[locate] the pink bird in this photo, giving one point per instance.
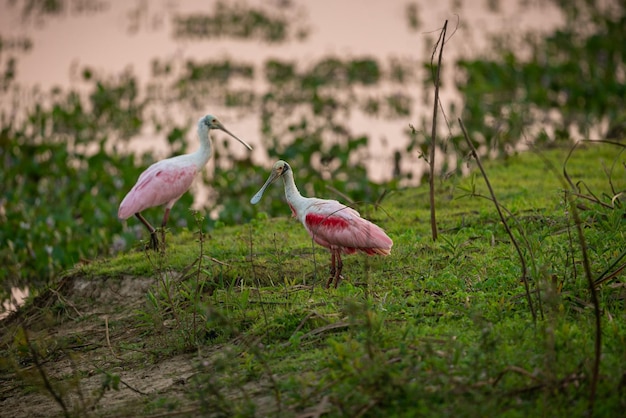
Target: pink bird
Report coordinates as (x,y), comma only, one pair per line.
(330,223)
(164,182)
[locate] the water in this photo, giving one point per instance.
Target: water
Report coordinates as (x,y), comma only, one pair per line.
(18,296)
(129,35)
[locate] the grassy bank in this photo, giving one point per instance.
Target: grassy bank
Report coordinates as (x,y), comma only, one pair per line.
(236,321)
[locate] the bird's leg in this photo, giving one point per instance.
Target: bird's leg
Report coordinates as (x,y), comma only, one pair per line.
(332,268)
(338,276)
(154,241)
(166,216)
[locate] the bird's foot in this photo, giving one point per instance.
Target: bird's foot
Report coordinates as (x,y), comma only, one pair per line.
(154,242)
(338,279)
(333,272)
(330,280)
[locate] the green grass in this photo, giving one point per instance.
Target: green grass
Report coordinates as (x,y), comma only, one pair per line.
(435,329)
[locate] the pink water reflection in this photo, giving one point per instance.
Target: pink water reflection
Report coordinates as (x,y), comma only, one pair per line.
(131,34)
(18,296)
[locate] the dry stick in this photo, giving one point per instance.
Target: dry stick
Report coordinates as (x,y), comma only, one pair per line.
(106,333)
(322,329)
(571,249)
(133,389)
(575,187)
(524,238)
(431,180)
(42,373)
(567,177)
(604,277)
(65,301)
(590,281)
(503,220)
(593,199)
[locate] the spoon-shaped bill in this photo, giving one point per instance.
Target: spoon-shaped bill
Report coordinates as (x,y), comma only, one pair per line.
(258,195)
(255,199)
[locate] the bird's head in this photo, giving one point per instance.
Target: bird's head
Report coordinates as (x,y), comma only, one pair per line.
(278,170)
(209,122)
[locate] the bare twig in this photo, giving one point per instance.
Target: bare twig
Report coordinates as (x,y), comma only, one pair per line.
(320,330)
(66,302)
(506,225)
(576,189)
(592,198)
(216,261)
(133,389)
(431,181)
(306,318)
(606,277)
(514,369)
(344,196)
(106,333)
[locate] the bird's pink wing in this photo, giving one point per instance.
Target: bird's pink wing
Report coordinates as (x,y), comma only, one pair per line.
(332,224)
(160,184)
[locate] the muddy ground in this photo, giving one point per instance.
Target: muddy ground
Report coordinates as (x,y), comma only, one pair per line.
(79,328)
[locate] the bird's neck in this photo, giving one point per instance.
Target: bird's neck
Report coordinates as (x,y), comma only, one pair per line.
(295,199)
(206,148)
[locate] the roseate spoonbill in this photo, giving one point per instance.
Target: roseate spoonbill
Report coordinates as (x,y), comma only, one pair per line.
(165,181)
(330,223)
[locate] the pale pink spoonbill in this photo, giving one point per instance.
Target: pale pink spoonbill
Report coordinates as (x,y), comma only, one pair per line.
(330,223)
(165,181)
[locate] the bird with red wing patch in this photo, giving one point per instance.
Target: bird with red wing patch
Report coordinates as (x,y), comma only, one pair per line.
(330,223)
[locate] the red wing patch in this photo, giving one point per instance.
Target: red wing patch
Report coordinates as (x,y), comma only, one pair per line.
(328,221)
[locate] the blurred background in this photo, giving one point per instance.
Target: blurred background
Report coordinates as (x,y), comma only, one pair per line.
(94,91)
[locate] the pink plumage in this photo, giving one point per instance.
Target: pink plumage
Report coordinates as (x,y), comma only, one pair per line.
(330,223)
(333,225)
(164,182)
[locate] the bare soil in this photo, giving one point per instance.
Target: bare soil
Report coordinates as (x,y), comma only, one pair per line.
(78,329)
